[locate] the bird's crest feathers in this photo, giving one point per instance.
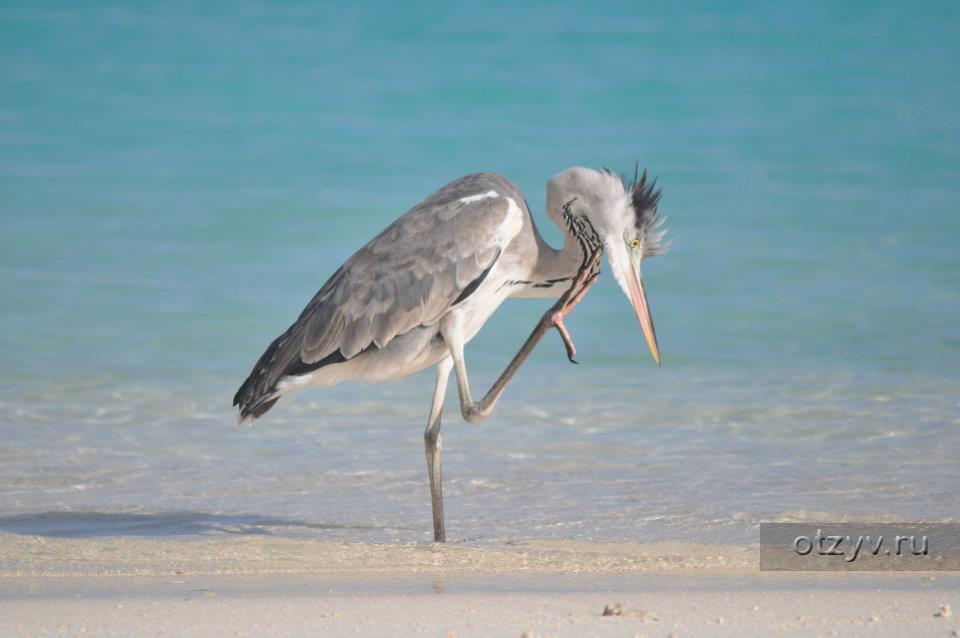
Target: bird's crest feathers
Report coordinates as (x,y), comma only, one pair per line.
(644,198)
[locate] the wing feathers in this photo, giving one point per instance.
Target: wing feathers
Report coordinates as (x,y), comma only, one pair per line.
(407,276)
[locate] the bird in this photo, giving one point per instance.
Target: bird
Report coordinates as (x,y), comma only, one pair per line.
(418,292)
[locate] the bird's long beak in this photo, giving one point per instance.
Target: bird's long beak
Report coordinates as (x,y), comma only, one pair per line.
(638,298)
(631,281)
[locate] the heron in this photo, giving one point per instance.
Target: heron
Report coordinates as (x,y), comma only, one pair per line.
(418,292)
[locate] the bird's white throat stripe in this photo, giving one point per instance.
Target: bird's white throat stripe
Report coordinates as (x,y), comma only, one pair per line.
(477,198)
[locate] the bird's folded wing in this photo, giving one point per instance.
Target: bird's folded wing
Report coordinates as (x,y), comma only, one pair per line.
(407,276)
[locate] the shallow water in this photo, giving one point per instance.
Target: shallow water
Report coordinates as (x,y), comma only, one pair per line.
(175,183)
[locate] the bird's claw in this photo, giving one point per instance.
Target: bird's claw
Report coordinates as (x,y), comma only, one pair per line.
(556,320)
(584,278)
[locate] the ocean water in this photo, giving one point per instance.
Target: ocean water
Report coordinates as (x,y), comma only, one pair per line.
(177,180)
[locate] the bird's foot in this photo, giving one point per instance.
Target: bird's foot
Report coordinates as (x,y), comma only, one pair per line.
(556,320)
(582,282)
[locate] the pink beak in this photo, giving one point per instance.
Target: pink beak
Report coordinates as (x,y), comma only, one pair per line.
(638,298)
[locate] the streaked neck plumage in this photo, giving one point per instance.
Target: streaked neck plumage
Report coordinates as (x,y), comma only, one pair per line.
(553,266)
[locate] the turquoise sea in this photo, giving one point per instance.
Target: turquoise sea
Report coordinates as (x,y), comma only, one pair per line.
(177,179)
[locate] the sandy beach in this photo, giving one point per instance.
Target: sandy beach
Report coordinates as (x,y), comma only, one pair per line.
(253,585)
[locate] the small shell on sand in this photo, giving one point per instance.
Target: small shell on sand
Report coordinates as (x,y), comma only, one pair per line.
(944,612)
(617,609)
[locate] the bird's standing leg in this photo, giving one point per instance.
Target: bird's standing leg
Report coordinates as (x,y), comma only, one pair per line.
(452,331)
(432,444)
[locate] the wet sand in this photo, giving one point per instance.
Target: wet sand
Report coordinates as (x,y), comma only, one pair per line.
(254,555)
(256,585)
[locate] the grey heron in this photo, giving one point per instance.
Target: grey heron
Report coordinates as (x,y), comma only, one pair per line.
(419,291)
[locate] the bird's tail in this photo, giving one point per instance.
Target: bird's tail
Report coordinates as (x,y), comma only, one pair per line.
(250,413)
(259,392)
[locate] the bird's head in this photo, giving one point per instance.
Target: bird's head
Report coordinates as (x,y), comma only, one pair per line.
(624,218)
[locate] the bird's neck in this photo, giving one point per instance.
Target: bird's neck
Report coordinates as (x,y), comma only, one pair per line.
(554,266)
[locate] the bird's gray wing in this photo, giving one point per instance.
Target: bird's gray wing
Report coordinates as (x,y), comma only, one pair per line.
(411,274)
(408,275)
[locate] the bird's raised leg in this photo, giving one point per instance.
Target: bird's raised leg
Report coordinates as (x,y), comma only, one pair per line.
(452,331)
(432,444)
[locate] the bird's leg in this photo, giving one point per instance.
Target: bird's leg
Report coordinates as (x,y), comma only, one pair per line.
(450,328)
(432,444)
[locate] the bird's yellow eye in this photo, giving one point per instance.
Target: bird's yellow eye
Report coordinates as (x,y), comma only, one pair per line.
(634,242)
